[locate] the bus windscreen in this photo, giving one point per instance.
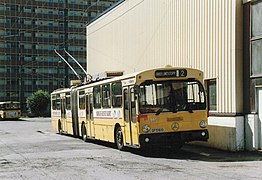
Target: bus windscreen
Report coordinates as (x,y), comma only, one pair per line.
(171,96)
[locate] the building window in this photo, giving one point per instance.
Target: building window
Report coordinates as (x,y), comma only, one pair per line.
(256,62)
(212,94)
(256,41)
(256,13)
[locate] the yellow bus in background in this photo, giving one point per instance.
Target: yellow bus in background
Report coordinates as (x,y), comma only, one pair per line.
(10,110)
(158,107)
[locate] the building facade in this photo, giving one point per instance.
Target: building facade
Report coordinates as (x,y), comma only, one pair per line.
(30,30)
(220,37)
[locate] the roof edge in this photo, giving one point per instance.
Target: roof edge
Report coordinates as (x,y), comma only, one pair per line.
(106,11)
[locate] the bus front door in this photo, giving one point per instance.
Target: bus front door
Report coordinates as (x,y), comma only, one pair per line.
(130,129)
(89,115)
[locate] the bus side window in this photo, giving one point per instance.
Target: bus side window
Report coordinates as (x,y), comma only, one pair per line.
(106,103)
(68,104)
(53,103)
(117,94)
(91,105)
(87,104)
(97,97)
(58,102)
(126,106)
(82,104)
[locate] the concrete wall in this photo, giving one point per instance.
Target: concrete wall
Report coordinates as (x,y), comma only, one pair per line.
(207,35)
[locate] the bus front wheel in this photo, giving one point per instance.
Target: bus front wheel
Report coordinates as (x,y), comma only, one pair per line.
(119,138)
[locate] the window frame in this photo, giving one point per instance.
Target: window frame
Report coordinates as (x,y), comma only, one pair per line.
(213,107)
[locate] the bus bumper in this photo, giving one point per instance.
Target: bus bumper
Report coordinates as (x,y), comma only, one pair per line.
(173,138)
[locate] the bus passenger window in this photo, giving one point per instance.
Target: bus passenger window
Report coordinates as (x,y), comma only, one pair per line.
(53,103)
(97,97)
(82,104)
(68,104)
(117,94)
(58,103)
(106,103)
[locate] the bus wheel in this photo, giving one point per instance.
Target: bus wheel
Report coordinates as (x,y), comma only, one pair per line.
(119,138)
(83,132)
(59,127)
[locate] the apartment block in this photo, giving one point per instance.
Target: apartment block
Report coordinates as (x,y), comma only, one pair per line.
(30,30)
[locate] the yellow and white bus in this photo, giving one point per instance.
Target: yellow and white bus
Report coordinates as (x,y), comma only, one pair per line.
(160,107)
(10,110)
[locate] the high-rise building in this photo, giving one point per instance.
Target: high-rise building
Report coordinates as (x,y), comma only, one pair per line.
(30,30)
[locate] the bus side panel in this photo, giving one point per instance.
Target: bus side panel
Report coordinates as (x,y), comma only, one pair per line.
(104,129)
(1,114)
(69,126)
(56,116)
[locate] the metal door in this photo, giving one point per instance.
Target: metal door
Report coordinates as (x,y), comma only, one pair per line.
(130,129)
(89,116)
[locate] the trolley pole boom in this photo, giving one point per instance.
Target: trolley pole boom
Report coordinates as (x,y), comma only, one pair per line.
(75,61)
(88,76)
(78,76)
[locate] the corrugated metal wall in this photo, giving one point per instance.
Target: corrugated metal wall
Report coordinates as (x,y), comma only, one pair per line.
(203,34)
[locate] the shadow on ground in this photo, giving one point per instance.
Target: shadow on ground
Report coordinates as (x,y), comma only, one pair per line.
(194,152)
(12,120)
(191,152)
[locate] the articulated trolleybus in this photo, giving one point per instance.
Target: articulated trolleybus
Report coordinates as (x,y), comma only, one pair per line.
(158,107)
(10,110)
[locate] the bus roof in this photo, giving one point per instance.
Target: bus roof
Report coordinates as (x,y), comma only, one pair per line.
(123,77)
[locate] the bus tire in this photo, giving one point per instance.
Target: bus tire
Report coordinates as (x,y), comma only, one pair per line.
(83,132)
(59,127)
(119,141)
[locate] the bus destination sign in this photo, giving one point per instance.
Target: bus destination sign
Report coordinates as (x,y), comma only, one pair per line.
(171,73)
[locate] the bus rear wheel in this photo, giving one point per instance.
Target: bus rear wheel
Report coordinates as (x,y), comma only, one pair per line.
(119,138)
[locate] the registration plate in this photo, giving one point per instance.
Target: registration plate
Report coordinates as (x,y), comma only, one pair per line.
(156,130)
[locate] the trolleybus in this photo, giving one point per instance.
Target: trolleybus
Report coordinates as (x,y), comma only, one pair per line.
(10,110)
(159,107)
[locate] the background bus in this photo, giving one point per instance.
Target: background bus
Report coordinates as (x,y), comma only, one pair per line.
(161,107)
(10,110)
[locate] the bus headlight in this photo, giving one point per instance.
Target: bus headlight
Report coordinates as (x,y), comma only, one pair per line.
(146,128)
(203,124)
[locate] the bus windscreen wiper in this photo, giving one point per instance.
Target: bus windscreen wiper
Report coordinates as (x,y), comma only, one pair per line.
(159,111)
